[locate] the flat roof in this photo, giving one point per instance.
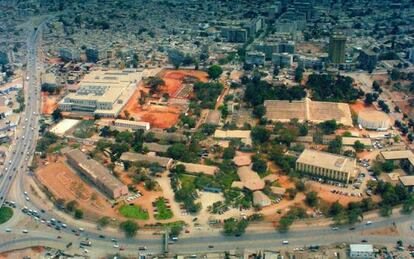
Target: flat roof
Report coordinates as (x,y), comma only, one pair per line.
(129,122)
(63,126)
(366,248)
(308,110)
(242,134)
(94,170)
(327,160)
(156,147)
(199,168)
(135,157)
(407,180)
(397,154)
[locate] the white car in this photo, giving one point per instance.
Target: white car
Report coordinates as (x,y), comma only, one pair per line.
(116,246)
(27,198)
(285,242)
(25,231)
(8,229)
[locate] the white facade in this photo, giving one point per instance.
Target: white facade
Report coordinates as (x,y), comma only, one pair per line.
(375,120)
(361,251)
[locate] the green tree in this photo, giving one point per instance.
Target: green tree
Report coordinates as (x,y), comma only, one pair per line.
(328,127)
(129,227)
(235,227)
(78,214)
(229,153)
(214,71)
(154,82)
(388,166)
(299,73)
(72,205)
(311,199)
(259,165)
(369,98)
(103,221)
(260,134)
(335,209)
(259,111)
(57,115)
(335,145)
(358,146)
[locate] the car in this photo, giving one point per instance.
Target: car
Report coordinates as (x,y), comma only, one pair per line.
(101,236)
(352,228)
(369,222)
(210,246)
(364,241)
(27,198)
(59,237)
(116,246)
(114,240)
(25,231)
(8,230)
(335,228)
(142,248)
(121,248)
(285,242)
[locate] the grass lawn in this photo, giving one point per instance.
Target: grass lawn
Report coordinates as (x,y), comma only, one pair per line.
(133,211)
(187,181)
(5,214)
(163,211)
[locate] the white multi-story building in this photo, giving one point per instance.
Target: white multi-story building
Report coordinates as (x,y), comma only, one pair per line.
(102,93)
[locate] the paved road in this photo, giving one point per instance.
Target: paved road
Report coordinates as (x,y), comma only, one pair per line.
(28,126)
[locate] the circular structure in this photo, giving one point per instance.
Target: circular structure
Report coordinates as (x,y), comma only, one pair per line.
(375,120)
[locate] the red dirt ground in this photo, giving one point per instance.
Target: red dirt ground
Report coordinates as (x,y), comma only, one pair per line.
(66,184)
(161,116)
(360,106)
(174,79)
(48,104)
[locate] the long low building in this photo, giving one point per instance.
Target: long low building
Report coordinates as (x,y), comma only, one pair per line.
(133,125)
(199,168)
(96,173)
(308,110)
(135,157)
(326,165)
(249,179)
(350,141)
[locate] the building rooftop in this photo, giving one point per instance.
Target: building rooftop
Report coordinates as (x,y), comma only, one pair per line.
(242,134)
(308,110)
(397,154)
(94,169)
(327,160)
(407,180)
(366,248)
(135,157)
(199,168)
(250,179)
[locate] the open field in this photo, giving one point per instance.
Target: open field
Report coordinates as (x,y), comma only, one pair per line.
(133,211)
(174,79)
(63,183)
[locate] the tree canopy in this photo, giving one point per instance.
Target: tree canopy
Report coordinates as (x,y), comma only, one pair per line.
(333,88)
(214,71)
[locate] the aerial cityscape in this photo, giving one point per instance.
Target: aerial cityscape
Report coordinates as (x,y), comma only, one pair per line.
(183,129)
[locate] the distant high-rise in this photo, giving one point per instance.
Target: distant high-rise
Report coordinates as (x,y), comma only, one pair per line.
(337,48)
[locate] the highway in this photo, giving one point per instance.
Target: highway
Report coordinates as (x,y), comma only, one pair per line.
(27,129)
